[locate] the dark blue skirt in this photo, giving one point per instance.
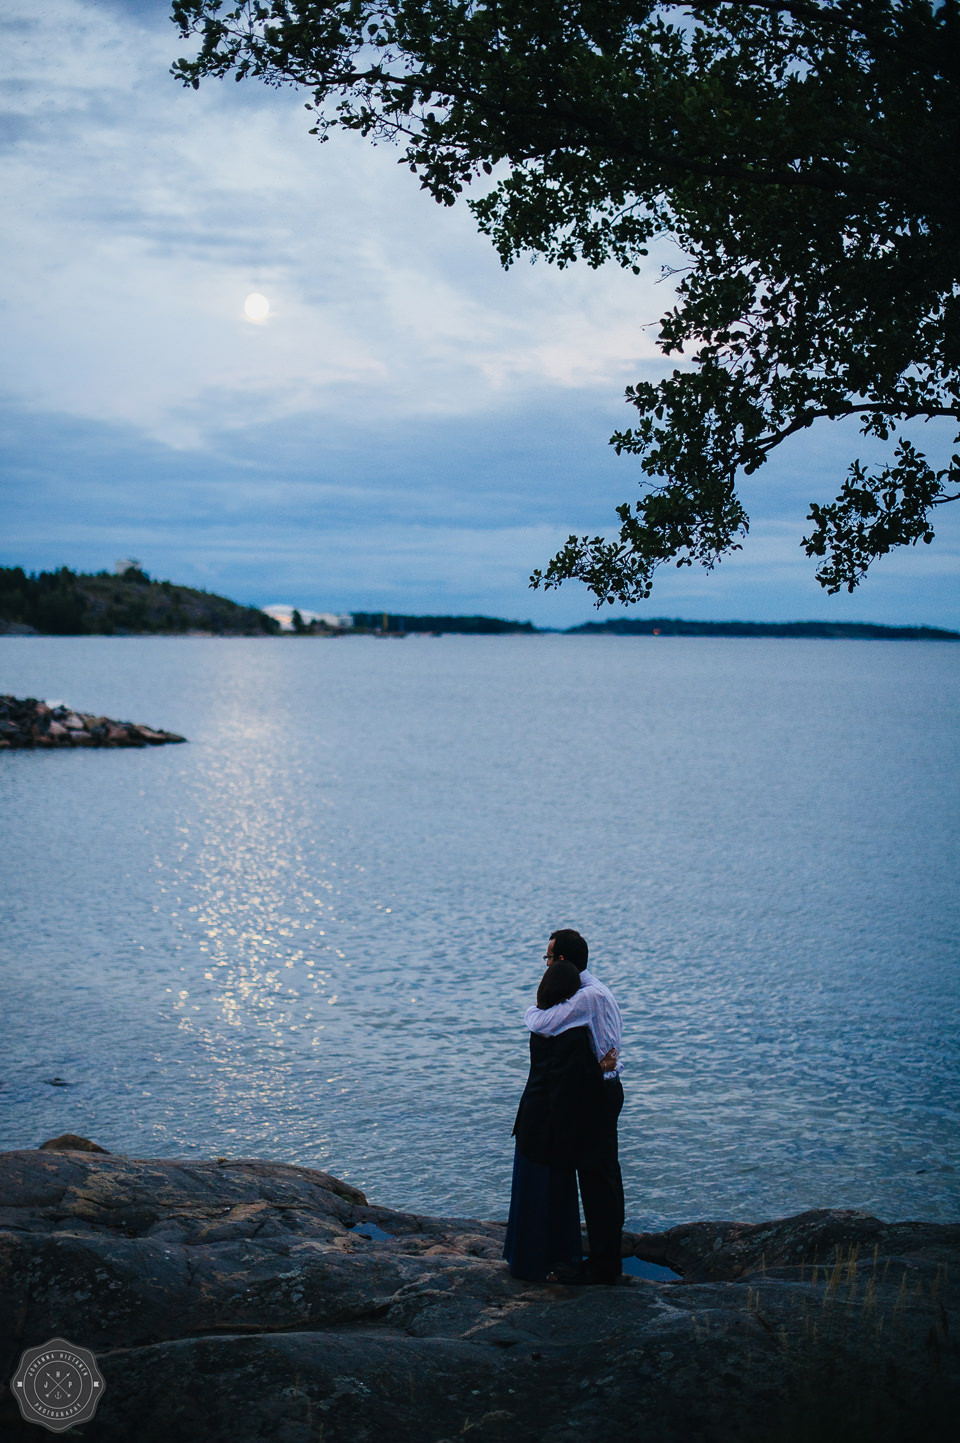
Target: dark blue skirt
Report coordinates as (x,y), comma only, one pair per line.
(543,1228)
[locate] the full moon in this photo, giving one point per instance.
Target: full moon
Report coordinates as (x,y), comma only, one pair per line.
(256,307)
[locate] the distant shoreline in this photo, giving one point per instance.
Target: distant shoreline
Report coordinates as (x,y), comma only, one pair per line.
(131,603)
(625,626)
(824,630)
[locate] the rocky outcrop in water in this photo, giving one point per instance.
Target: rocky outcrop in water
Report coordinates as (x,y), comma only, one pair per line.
(232,1301)
(30,723)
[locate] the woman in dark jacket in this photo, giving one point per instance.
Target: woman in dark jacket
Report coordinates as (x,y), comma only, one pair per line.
(553,1130)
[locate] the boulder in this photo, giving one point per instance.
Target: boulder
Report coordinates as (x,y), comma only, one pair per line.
(238,1300)
(708,1252)
(155,738)
(71,1142)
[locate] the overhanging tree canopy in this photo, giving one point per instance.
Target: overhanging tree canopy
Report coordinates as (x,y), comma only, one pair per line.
(806,157)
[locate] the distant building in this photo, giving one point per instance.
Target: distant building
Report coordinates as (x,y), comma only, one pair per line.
(284,614)
(119,567)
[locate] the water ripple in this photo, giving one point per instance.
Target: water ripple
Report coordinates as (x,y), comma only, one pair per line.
(311,933)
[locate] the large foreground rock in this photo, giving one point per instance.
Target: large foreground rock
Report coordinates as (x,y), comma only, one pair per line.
(233,1301)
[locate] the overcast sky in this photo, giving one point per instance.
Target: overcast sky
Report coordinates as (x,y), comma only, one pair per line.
(410,428)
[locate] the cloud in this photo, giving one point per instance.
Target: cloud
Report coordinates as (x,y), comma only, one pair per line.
(452,517)
(411,427)
(147,213)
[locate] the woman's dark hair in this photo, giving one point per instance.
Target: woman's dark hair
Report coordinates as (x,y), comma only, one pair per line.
(569,945)
(560,981)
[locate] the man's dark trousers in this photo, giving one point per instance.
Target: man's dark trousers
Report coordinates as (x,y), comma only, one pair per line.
(601,1189)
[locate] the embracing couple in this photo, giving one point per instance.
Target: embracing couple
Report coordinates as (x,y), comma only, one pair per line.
(566,1128)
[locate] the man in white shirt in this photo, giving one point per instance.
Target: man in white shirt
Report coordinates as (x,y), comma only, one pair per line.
(598,1172)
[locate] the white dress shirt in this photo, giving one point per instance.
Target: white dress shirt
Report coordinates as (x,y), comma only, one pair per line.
(593,1007)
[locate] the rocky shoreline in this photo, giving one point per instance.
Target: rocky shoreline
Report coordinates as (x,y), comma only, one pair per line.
(233,1300)
(26,722)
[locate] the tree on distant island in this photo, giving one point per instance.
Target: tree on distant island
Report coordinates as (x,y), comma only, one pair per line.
(71,603)
(804,157)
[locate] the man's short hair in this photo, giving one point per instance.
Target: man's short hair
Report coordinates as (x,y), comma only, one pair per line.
(569,945)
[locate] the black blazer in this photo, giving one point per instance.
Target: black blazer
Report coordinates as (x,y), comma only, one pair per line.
(558,1119)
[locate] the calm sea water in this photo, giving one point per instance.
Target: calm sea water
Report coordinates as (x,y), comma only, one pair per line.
(310,934)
